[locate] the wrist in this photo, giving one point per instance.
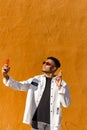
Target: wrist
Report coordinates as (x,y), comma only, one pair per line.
(6,76)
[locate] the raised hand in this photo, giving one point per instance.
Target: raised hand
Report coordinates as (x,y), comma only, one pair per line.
(58,79)
(5,69)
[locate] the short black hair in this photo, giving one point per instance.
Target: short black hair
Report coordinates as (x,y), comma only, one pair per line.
(56,61)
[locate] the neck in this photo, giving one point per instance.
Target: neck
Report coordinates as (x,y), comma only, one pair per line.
(49,75)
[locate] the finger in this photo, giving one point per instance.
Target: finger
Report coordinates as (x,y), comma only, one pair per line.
(60,73)
(58,78)
(5,69)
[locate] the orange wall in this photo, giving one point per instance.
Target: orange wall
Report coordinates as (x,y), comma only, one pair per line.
(30,31)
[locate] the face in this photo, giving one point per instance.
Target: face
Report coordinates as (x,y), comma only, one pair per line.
(48,66)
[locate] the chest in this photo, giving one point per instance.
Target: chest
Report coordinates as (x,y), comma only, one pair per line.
(52,91)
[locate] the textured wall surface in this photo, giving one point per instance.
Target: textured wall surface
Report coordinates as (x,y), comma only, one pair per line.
(31,30)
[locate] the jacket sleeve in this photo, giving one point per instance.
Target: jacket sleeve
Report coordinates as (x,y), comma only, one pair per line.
(64,96)
(21,86)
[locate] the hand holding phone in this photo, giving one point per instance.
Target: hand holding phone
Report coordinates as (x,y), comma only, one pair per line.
(58,79)
(6,68)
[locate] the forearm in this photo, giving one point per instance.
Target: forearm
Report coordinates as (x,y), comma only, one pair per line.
(9,82)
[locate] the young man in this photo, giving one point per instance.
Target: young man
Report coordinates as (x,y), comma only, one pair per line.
(46,94)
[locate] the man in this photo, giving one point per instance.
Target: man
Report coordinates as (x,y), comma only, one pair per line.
(46,94)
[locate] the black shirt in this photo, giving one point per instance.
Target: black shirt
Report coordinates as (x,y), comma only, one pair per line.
(42,113)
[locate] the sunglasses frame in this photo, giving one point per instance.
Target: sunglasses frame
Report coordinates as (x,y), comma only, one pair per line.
(47,63)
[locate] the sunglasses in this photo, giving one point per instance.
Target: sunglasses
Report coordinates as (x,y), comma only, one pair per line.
(47,63)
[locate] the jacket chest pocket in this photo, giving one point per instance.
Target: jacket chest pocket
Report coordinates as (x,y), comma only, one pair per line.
(34,84)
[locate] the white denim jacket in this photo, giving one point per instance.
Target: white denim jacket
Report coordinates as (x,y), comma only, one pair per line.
(35,87)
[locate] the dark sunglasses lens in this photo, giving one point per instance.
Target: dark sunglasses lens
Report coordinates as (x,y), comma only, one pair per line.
(47,63)
(44,62)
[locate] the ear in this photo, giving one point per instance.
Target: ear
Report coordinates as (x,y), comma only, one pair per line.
(55,68)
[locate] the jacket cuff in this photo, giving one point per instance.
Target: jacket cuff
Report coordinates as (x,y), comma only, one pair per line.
(7,82)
